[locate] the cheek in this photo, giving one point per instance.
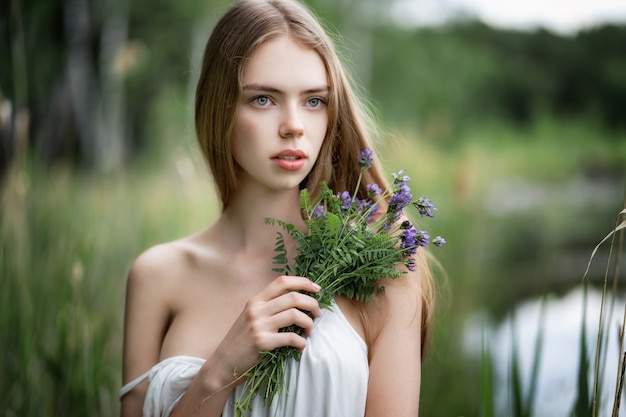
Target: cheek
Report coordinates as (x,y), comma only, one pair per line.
(319,143)
(315,125)
(321,130)
(241,135)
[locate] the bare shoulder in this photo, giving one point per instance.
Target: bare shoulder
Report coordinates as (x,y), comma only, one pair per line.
(154,284)
(401,298)
(150,281)
(163,265)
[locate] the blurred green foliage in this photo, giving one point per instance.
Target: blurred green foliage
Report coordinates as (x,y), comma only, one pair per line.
(66,243)
(441,80)
(434,81)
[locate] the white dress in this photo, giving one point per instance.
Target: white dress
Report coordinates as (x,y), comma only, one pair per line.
(330,380)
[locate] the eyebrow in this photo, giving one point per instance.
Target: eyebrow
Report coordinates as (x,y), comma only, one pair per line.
(270,89)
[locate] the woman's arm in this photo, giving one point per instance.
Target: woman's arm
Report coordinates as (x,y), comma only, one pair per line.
(145,322)
(395,364)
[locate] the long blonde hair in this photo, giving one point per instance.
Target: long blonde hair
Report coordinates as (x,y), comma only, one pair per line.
(245,26)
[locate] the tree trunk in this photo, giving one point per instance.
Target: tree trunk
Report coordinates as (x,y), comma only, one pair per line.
(113,42)
(83,83)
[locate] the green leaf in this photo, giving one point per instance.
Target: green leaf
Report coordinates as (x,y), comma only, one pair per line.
(305,200)
(333,222)
(486,382)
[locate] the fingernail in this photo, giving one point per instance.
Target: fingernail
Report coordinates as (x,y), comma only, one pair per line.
(316,286)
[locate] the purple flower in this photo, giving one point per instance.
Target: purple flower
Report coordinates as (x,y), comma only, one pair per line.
(400,178)
(402,195)
(372,213)
(320,211)
(373,190)
(365,159)
(439,241)
(410,264)
(408,239)
(346,201)
(422,238)
(400,200)
(361,205)
(425,206)
(366,206)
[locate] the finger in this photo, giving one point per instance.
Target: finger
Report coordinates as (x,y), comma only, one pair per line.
(292,317)
(293,300)
(269,340)
(290,339)
(285,283)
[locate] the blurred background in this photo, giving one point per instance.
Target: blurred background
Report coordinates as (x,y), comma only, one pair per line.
(509,116)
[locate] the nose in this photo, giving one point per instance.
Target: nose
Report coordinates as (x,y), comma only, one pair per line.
(291,124)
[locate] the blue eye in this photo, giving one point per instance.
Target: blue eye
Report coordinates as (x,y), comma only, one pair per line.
(261,101)
(315,102)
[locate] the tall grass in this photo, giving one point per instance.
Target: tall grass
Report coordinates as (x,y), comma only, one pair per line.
(599,368)
(521,394)
(582,406)
(60,297)
(486,380)
(590,395)
(66,244)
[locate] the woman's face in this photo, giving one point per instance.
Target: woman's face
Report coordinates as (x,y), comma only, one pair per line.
(281,117)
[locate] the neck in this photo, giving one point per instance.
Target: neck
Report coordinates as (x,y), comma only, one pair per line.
(242,223)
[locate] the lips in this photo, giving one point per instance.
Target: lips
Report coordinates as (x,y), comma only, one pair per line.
(290,154)
(290,159)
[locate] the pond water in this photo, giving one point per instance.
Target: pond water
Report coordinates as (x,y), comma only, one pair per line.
(558,370)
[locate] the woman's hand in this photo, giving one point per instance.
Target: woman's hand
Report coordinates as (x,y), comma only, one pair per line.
(256,329)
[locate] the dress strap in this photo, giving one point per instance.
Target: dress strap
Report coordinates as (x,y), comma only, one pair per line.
(132,384)
(187,360)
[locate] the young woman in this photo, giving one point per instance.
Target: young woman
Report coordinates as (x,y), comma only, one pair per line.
(274,114)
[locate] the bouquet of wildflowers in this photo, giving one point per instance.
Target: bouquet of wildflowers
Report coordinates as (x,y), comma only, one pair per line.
(347,249)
